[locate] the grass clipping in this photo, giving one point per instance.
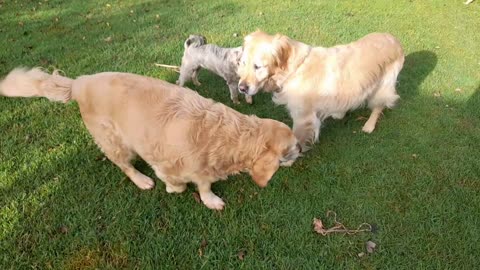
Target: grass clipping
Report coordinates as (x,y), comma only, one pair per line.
(174,68)
(338,227)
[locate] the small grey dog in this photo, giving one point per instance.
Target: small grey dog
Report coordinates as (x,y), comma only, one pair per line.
(221,61)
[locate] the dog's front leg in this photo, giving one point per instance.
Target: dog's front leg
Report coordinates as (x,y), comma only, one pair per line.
(233,87)
(306,127)
(208,198)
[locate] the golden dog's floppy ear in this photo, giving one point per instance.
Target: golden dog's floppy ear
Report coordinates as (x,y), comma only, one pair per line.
(264,168)
(281,48)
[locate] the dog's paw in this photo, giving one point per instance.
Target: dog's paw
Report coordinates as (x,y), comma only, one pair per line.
(367,128)
(287,163)
(176,188)
(249,99)
(235,101)
(197,83)
(143,182)
(214,202)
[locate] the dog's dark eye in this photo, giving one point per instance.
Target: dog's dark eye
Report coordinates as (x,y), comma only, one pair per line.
(256,67)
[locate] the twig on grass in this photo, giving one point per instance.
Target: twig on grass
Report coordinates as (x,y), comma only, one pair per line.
(339,227)
(174,68)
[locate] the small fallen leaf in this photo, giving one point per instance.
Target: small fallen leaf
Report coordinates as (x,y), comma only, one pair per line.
(458,90)
(241,255)
(414,155)
(157,16)
(354,132)
(196,196)
(108,39)
(361,118)
(437,94)
(370,246)
(108,5)
(437,47)
(100,157)
(63,229)
(235,35)
(44,61)
(318,226)
(261,13)
(361,254)
(203,244)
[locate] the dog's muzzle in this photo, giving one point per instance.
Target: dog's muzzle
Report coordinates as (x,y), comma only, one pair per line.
(292,156)
(299,148)
(243,87)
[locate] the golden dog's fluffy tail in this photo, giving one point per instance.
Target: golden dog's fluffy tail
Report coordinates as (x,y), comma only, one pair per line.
(23,82)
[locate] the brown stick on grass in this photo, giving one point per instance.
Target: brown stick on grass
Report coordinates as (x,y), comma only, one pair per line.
(174,68)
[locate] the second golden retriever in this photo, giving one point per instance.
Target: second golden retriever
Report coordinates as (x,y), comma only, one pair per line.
(316,83)
(183,136)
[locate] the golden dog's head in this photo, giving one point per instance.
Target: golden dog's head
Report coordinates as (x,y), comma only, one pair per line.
(279,147)
(263,56)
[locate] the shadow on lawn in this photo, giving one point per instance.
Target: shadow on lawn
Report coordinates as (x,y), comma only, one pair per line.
(472,107)
(77,35)
(417,66)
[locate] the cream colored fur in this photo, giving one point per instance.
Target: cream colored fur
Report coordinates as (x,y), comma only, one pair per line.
(315,83)
(183,136)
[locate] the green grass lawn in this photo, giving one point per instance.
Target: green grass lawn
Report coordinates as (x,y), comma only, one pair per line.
(416,178)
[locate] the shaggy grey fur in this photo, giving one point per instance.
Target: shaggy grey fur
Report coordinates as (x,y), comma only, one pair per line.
(221,61)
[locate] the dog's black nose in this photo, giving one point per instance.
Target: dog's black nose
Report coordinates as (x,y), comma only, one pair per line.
(299,147)
(243,87)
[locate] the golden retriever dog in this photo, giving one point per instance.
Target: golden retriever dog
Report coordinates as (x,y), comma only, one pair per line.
(316,83)
(181,135)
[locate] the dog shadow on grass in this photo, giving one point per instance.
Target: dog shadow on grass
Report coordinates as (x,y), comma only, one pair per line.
(417,67)
(472,107)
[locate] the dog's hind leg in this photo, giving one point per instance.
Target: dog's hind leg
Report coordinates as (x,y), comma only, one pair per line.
(372,120)
(386,96)
(195,77)
(186,73)
(173,185)
(111,143)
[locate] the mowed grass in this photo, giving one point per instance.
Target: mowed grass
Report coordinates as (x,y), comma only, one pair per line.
(416,178)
